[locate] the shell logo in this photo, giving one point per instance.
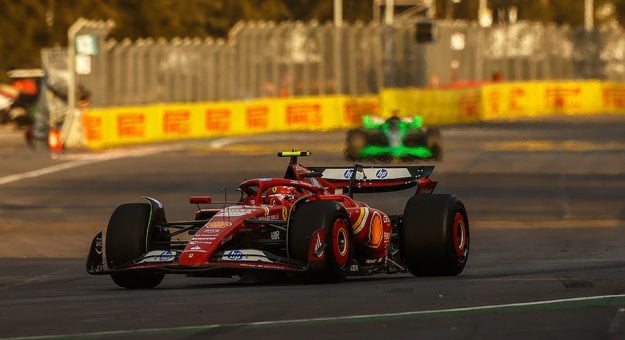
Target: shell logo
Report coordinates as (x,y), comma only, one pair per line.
(376,231)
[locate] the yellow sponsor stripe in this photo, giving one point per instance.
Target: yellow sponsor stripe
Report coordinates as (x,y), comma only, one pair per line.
(361,221)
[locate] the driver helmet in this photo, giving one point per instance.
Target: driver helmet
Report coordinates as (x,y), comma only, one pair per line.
(280,193)
(393,122)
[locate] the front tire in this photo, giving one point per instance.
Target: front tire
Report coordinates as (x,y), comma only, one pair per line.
(128,237)
(332,218)
(137,280)
(435,235)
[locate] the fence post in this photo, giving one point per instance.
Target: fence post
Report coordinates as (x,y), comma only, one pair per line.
(85,39)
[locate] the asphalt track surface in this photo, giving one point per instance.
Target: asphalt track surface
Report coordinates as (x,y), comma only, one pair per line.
(545,198)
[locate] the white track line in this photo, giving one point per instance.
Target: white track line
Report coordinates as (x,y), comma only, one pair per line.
(602,300)
(75,160)
(222,142)
(41,172)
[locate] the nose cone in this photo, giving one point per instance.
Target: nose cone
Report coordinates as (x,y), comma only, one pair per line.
(216,232)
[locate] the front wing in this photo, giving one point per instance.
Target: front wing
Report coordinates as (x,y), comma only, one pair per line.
(234,260)
(225,263)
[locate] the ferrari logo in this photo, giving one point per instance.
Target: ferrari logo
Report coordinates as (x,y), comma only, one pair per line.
(285,213)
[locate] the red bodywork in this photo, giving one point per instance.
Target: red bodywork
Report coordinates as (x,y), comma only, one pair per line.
(371,227)
(267,200)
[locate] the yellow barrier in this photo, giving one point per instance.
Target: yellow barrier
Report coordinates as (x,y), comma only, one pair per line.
(142,124)
(613,97)
(495,101)
(437,107)
(506,101)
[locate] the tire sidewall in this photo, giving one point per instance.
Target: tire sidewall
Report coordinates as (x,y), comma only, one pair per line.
(427,235)
(307,219)
(338,258)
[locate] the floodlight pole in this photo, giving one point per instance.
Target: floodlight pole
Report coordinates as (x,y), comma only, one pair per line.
(338,13)
(589,17)
(389,12)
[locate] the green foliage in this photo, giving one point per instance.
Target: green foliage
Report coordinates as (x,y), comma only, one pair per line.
(24,29)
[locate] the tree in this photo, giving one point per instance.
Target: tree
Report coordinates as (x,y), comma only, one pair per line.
(25,29)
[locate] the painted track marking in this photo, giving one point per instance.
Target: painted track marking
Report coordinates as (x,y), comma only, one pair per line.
(75,160)
(589,301)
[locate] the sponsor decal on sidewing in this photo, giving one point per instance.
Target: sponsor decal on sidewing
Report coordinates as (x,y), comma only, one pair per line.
(158,256)
(236,211)
(275,217)
(219,224)
(201,238)
(211,231)
(249,255)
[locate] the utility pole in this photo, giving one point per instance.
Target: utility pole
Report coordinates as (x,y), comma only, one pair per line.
(589,15)
(389,12)
(338,23)
(482,6)
(338,13)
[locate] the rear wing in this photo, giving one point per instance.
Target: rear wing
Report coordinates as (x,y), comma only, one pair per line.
(367,179)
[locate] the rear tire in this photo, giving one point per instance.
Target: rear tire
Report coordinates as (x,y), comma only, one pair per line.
(415,138)
(356,141)
(435,235)
(338,252)
(433,142)
(128,237)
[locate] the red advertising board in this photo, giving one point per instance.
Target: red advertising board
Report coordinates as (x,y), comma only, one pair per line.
(257,117)
(93,128)
(303,114)
(218,120)
(131,125)
(176,122)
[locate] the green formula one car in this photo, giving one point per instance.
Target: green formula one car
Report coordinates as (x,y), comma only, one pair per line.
(393,138)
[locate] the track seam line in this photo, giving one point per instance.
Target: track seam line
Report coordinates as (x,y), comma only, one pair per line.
(602,300)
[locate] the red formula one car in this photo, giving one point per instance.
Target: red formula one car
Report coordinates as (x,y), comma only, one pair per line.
(307,224)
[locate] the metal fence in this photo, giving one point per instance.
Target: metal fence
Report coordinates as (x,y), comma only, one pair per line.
(299,59)
(54,63)
(523,51)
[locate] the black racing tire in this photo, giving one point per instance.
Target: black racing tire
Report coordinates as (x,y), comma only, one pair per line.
(138,279)
(338,252)
(415,138)
(128,237)
(377,137)
(433,141)
(434,237)
(356,141)
(4,117)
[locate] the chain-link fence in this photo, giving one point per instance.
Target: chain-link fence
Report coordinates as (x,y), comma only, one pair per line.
(523,51)
(300,59)
(53,104)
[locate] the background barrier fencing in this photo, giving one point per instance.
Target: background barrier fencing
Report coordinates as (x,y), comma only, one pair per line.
(503,101)
(150,90)
(108,127)
(264,60)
